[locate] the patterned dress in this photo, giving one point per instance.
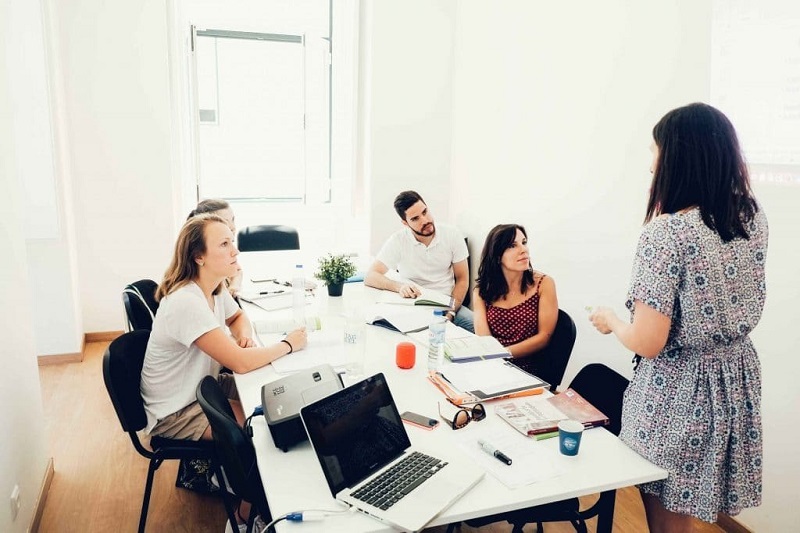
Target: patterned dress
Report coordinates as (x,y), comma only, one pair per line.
(695,410)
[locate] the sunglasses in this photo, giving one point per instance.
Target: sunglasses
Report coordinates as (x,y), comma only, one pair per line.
(464,416)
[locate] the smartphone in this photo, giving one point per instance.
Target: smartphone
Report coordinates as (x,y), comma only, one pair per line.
(421,421)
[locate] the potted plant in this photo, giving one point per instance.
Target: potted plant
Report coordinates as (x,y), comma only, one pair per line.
(334,270)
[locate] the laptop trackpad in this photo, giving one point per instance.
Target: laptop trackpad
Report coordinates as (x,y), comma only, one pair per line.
(441,492)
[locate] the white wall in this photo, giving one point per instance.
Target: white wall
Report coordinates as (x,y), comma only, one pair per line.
(552,120)
(409,79)
(23,454)
(115,96)
(58,326)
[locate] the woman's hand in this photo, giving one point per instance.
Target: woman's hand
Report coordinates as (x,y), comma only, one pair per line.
(601,319)
(298,339)
(245,342)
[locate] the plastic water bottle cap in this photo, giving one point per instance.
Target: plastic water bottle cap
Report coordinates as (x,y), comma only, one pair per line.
(439,312)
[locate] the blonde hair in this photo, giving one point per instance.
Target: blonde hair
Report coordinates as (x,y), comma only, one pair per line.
(190,245)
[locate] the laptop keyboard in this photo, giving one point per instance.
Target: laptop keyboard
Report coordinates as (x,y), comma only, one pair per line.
(394,484)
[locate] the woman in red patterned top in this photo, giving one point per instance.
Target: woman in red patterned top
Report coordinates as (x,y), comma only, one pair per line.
(512,302)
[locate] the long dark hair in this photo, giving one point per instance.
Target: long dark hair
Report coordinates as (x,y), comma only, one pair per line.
(491,282)
(700,163)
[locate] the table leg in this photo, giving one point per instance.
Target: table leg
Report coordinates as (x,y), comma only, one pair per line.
(605,511)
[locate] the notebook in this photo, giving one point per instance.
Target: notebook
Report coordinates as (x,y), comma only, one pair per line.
(362,445)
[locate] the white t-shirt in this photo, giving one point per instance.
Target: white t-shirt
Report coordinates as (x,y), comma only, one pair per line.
(173,364)
(429,266)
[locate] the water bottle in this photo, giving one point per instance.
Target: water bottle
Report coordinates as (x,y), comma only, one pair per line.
(436,331)
(355,344)
(299,296)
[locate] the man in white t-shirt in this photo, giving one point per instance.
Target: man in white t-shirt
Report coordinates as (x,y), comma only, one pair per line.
(425,255)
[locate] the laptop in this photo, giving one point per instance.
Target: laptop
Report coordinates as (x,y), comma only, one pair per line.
(370,464)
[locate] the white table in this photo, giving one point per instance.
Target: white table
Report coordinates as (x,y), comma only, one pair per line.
(293,481)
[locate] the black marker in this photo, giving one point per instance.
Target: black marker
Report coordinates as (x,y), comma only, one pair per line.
(491,450)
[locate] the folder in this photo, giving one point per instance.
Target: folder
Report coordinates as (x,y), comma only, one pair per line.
(504,380)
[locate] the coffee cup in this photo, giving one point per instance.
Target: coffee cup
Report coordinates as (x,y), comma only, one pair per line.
(569,436)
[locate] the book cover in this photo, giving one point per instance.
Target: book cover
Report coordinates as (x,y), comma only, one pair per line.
(542,416)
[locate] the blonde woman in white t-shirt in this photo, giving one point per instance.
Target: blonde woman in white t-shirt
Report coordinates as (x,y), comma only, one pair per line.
(189,341)
(221,208)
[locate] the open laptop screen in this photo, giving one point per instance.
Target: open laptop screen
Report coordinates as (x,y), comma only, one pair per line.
(355,432)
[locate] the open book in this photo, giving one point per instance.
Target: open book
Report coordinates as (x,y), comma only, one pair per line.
(428,297)
(473,348)
(398,318)
(534,417)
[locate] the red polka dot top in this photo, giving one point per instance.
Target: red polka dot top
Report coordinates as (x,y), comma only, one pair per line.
(513,325)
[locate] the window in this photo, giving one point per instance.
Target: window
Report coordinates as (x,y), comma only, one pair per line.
(264,122)
(755,80)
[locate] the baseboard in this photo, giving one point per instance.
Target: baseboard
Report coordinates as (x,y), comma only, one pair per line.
(38,509)
(102,336)
(56,359)
(730,525)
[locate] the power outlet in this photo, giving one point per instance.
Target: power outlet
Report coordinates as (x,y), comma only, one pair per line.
(15,503)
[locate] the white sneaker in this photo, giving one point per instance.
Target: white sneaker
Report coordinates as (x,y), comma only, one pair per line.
(259,525)
(242,528)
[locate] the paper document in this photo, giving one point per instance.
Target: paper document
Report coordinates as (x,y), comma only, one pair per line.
(324,347)
(532,461)
(451,332)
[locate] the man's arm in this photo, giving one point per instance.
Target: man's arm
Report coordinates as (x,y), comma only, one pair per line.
(376,277)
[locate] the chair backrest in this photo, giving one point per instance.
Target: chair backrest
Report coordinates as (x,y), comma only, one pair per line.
(122,370)
(233,445)
(551,362)
(267,238)
(139,299)
(603,388)
(467,297)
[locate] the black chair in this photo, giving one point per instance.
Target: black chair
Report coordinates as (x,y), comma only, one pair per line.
(235,450)
(139,299)
(122,369)
(603,388)
(468,296)
(551,362)
(267,238)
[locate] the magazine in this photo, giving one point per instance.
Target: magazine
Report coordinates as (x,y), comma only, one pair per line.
(534,417)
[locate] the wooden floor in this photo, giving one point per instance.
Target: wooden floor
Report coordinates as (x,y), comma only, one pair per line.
(99,477)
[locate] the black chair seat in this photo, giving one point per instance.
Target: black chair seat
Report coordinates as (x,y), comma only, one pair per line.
(181,448)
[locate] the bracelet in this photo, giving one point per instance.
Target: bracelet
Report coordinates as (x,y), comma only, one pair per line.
(289,344)
(451,313)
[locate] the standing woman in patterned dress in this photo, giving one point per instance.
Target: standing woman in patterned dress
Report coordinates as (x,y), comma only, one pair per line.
(697,291)
(512,302)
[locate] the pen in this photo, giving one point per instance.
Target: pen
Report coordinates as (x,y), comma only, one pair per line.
(491,450)
(271,292)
